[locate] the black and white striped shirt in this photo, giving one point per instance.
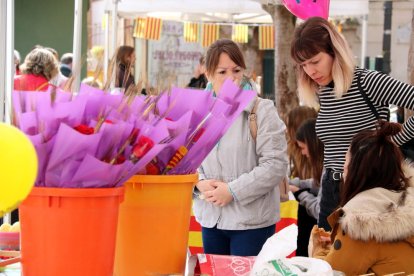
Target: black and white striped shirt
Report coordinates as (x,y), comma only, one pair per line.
(340,119)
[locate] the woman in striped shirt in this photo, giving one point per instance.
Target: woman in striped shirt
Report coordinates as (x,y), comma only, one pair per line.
(328,78)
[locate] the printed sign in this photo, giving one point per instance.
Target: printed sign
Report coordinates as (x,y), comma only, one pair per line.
(171,60)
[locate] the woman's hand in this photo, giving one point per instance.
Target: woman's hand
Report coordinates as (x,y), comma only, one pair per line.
(319,242)
(220,196)
(205,185)
(293,188)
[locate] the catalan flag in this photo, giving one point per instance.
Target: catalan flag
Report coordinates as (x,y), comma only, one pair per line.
(240,33)
(266,37)
(191,32)
(210,34)
(148,28)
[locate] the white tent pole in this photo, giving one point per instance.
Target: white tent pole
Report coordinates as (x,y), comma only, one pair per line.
(6,63)
(106,47)
(9,73)
(7,54)
(114,25)
(77,45)
(364,39)
(3,77)
(9,60)
(114,30)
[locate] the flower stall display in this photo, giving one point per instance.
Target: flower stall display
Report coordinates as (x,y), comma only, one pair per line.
(96,139)
(88,146)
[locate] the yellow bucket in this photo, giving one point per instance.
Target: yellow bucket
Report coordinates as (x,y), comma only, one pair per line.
(153,225)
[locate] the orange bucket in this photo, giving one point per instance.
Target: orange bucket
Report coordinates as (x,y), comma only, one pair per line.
(69,231)
(153,225)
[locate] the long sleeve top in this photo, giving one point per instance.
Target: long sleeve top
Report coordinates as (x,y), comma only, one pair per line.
(339,119)
(122,80)
(309,195)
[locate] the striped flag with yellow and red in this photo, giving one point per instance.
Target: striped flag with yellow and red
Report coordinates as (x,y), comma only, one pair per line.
(240,33)
(148,28)
(266,37)
(139,27)
(191,32)
(210,34)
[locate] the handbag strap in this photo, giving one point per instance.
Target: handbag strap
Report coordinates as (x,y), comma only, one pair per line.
(367,100)
(253,119)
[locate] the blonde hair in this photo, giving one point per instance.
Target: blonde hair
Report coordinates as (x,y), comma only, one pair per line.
(317,35)
(40,61)
(91,81)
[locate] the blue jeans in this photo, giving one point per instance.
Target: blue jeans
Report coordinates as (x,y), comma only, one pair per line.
(235,242)
(329,200)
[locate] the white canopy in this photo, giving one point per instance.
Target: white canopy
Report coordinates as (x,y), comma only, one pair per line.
(243,11)
(240,11)
(193,10)
(340,8)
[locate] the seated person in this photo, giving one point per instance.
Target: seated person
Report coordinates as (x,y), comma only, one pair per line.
(373,230)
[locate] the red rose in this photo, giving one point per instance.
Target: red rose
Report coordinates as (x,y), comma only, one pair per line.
(120,159)
(84,129)
(152,169)
(143,145)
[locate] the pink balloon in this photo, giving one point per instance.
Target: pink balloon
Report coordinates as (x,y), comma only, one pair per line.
(308,8)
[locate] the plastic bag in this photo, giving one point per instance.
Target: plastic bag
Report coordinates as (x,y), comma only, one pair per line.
(278,246)
(294,266)
(272,258)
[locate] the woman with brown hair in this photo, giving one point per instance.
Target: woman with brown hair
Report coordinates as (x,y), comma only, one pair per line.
(307,191)
(299,165)
(125,60)
(327,77)
(238,202)
(377,209)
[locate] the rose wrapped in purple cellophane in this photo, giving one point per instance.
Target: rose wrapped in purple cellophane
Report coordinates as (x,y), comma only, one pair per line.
(180,100)
(225,110)
(96,139)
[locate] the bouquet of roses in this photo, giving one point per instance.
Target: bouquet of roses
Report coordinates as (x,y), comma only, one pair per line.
(97,139)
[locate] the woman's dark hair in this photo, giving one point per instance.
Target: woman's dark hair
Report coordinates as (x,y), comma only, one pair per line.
(375,161)
(124,77)
(306,134)
(123,53)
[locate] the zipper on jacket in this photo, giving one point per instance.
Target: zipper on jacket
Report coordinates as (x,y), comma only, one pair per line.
(219,218)
(217,157)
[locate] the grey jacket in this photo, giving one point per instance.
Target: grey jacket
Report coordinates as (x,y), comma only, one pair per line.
(309,199)
(252,170)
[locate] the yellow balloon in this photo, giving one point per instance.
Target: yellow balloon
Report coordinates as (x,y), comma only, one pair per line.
(18,167)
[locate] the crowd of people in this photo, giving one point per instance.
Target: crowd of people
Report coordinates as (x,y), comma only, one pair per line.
(346,168)
(339,152)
